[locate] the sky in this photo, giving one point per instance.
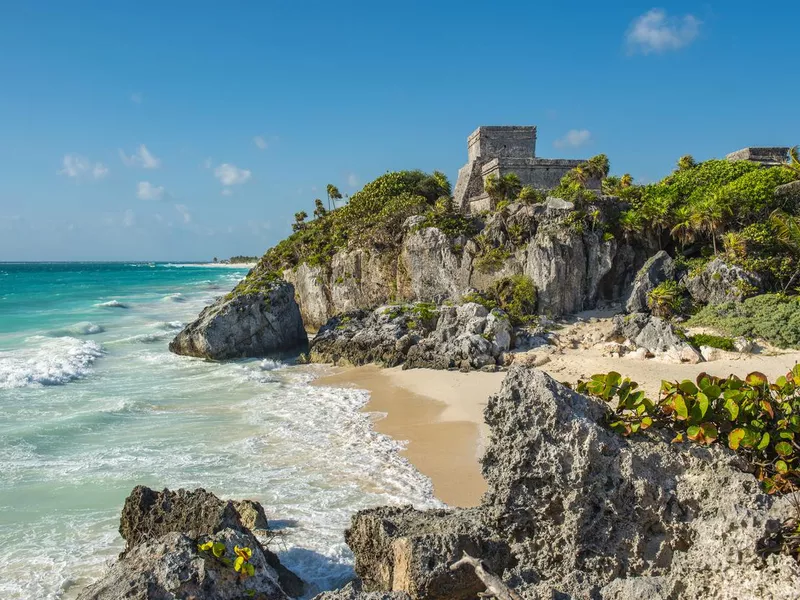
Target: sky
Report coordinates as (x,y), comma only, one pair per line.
(187,130)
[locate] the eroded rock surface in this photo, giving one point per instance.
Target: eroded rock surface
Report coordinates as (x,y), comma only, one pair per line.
(720,282)
(575,511)
(655,335)
(416,336)
(656,270)
(161,559)
(245,323)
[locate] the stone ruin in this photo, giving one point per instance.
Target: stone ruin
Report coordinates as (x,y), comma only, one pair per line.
(499,150)
(765,156)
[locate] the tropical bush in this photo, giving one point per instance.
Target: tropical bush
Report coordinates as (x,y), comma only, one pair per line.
(771,317)
(666,299)
(712,341)
(751,416)
(515,295)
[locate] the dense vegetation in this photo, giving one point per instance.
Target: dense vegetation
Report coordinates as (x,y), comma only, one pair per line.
(373,217)
(516,295)
(772,317)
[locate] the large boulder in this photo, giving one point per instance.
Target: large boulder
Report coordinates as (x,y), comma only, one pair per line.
(655,335)
(656,270)
(573,510)
(172,566)
(162,531)
(720,282)
(254,320)
(467,336)
(406,550)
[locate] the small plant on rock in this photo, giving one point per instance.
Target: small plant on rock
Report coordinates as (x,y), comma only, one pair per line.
(666,299)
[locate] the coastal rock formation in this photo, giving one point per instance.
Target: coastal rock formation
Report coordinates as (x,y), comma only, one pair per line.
(658,268)
(572,270)
(418,335)
(573,510)
(256,319)
(172,566)
(655,335)
(162,531)
(720,282)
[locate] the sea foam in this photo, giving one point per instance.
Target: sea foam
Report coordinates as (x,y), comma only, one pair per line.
(111,304)
(47,361)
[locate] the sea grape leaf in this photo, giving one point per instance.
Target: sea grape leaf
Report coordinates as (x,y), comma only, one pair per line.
(783,449)
(735,438)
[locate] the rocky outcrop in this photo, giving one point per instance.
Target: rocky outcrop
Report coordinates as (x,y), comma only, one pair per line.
(575,511)
(467,337)
(656,270)
(655,335)
(573,269)
(250,321)
(161,559)
(720,282)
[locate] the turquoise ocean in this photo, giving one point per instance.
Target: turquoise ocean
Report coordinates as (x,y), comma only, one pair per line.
(92,403)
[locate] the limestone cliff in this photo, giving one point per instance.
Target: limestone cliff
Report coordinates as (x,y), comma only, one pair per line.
(573,267)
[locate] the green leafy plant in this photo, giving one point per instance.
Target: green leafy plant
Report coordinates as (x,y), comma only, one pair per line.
(505,188)
(516,296)
(666,299)
(240,563)
(751,416)
(712,341)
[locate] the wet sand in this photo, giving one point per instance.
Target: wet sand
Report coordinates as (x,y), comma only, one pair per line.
(440,416)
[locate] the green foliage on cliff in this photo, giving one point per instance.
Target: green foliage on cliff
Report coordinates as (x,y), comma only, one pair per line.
(516,295)
(372,218)
(772,317)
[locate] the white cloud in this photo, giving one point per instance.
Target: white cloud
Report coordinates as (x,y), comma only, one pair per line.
(184,210)
(655,31)
(260,142)
(78,167)
(352,180)
(227,192)
(574,138)
(231,174)
(147,191)
(137,97)
(129,218)
(141,158)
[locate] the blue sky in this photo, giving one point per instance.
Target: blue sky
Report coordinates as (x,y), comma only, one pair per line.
(183,131)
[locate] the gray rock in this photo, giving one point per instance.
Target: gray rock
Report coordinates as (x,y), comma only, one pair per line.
(354,591)
(720,282)
(148,515)
(656,270)
(406,550)
(656,335)
(171,566)
(466,337)
(245,323)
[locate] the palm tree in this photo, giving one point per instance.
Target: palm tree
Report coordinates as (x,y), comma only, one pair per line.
(685,227)
(626,180)
(794,159)
(787,230)
(709,216)
(686,162)
(333,195)
(502,188)
(319,209)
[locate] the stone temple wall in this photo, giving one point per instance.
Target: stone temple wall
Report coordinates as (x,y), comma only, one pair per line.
(499,150)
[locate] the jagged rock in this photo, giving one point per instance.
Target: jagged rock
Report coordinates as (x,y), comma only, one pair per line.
(720,282)
(406,550)
(584,506)
(354,591)
(171,566)
(656,270)
(245,323)
(655,335)
(434,270)
(466,337)
(148,515)
(743,345)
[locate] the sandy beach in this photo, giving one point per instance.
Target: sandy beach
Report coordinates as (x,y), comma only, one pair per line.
(440,413)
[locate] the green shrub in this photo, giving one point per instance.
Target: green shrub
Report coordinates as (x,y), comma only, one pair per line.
(713,341)
(489,258)
(516,295)
(772,317)
(666,299)
(756,419)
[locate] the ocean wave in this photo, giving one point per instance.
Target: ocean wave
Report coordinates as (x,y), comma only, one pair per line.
(82,328)
(48,362)
(168,325)
(111,304)
(176,297)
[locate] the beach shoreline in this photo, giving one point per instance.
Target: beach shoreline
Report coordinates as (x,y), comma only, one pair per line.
(437,414)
